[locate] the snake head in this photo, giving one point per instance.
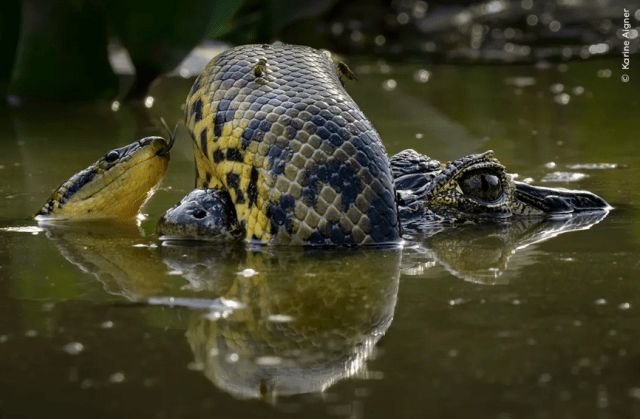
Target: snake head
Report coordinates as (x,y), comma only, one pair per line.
(115,186)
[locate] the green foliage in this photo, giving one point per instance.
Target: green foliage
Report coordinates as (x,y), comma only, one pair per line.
(265,20)
(158,36)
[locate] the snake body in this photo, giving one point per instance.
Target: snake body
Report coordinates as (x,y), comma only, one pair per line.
(273,126)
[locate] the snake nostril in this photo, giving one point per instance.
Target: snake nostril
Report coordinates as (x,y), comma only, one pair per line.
(200,213)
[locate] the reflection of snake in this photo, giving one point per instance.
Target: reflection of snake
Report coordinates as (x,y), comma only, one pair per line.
(306,322)
(285,156)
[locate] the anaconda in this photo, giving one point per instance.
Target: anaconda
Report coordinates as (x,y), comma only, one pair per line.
(284,155)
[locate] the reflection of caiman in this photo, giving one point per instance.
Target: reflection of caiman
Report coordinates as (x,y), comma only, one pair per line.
(284,156)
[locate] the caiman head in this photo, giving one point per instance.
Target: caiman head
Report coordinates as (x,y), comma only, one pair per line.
(476,188)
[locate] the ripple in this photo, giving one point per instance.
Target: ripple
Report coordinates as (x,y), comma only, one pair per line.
(563,177)
(594,166)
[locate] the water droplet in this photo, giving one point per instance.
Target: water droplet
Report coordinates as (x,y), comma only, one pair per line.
(624,306)
(557,88)
(115,106)
(520,81)
(403,18)
(544,378)
(578,90)
(453,353)
(106,325)
(86,383)
(232,358)
(268,360)
(421,76)
(562,99)
(31,333)
(247,273)
(357,37)
(532,20)
(604,74)
(554,26)
(550,165)
(598,48)
(195,366)
(148,101)
(337,28)
(73,348)
(600,302)
(389,85)
(279,318)
(380,40)
(117,377)
(634,392)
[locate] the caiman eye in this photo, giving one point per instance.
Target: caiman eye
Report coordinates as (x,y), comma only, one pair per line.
(481,184)
(112,156)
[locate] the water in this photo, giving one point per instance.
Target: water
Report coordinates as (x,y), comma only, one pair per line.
(530,320)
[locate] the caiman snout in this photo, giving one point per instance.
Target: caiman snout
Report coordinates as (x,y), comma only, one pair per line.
(557,200)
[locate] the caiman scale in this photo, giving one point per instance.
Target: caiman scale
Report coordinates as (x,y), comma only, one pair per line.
(284,155)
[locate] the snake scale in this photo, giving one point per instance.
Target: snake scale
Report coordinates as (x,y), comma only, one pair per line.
(273,125)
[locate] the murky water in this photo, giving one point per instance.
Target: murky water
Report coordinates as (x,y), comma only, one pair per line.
(526,320)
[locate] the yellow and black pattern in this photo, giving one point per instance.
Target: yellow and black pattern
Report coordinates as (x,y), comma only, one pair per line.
(115,186)
(274,127)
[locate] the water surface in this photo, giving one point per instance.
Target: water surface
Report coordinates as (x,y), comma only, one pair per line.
(528,319)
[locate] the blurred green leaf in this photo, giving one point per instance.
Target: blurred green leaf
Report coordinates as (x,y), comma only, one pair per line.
(159,36)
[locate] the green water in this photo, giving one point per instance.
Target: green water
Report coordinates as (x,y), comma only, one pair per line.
(528,320)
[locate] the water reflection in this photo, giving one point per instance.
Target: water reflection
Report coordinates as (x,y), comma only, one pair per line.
(482,253)
(117,255)
(310,319)
(279,321)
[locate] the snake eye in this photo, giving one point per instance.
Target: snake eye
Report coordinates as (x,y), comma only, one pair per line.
(112,156)
(481,184)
